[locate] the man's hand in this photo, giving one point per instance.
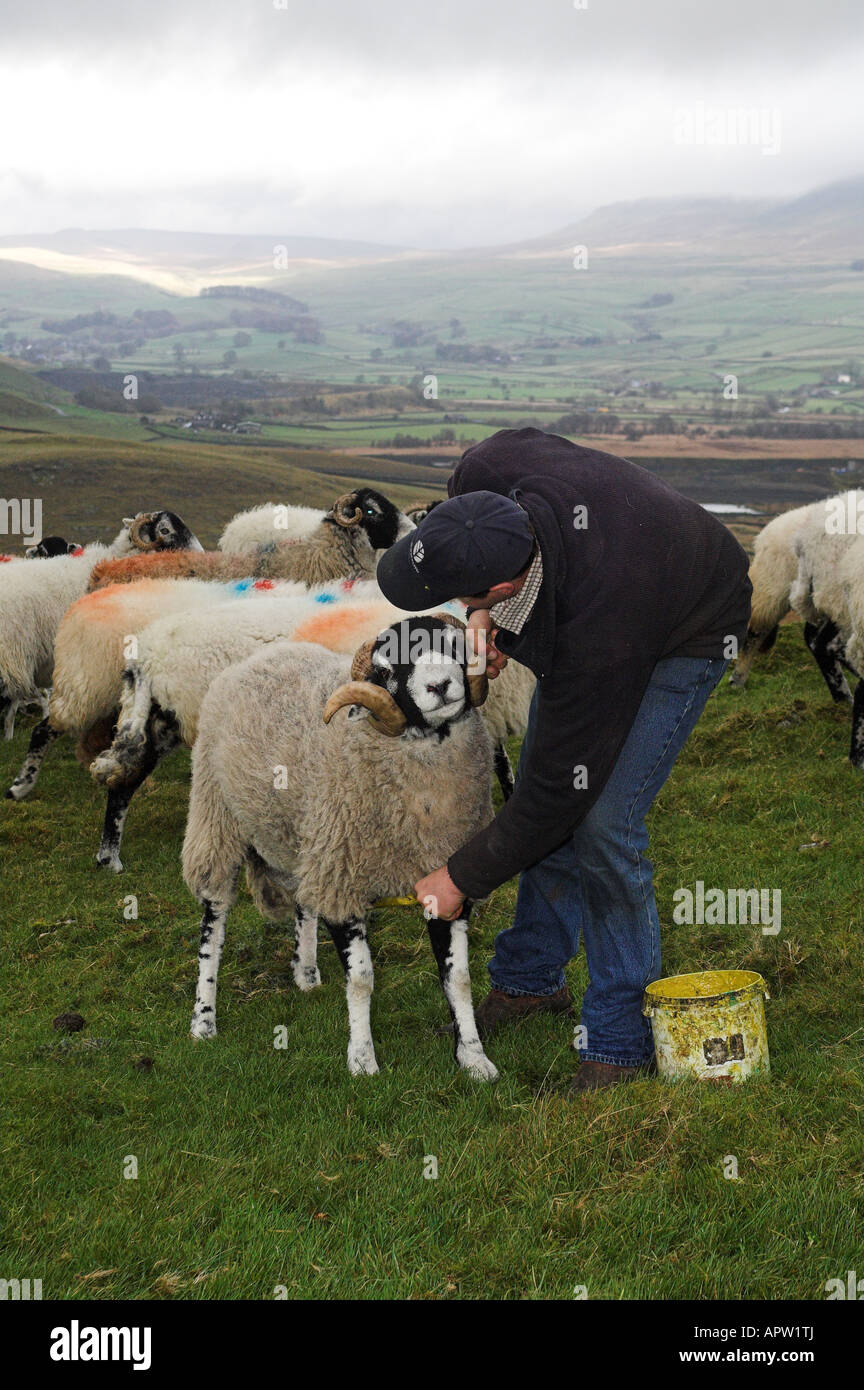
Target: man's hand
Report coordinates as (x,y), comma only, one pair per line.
(482,637)
(439,896)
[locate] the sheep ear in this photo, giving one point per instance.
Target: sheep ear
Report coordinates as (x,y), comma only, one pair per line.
(127,521)
(356,712)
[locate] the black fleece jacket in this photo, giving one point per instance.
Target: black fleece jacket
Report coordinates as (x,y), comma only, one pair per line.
(632,572)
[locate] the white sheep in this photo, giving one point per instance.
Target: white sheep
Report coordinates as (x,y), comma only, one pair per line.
(781,582)
(34,597)
(259,526)
(96,637)
(772,574)
(829,591)
(331,816)
(819,592)
(179,656)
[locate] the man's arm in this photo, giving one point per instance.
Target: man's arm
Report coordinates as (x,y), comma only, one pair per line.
(583,718)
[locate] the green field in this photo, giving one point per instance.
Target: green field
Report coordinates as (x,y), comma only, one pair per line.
(259,1168)
(639,332)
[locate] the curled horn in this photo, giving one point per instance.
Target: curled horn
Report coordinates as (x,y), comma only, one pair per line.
(135,529)
(385,716)
(339,510)
(361,665)
(478,681)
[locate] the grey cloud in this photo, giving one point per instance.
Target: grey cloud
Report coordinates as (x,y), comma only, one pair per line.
(531,36)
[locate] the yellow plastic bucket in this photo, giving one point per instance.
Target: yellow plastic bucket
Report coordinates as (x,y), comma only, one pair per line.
(709,1025)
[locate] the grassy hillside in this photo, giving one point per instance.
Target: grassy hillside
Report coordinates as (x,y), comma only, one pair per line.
(89,484)
(259,1167)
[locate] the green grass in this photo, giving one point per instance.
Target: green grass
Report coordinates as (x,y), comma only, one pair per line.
(259,1167)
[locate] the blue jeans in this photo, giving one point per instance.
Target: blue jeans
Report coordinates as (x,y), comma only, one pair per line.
(599,883)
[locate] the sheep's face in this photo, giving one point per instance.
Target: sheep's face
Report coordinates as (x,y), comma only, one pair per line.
(416,679)
(48,547)
(422,662)
(373,513)
(161,531)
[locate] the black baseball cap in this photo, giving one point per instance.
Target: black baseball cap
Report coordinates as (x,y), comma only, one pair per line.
(462,547)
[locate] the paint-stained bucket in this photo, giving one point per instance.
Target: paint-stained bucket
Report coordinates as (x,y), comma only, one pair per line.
(709,1025)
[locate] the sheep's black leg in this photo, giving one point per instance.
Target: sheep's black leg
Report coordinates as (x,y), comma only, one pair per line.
(304,962)
(162,737)
(41,739)
(450,947)
(827,647)
(856,749)
(8,710)
(350,941)
(209,955)
(504,771)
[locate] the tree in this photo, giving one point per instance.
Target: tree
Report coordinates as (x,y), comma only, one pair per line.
(242,340)
(665,424)
(179,354)
(101,364)
(229,357)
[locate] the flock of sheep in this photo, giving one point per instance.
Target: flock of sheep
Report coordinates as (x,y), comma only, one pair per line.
(811,560)
(249,655)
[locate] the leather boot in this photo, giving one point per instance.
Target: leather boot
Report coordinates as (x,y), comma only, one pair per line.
(594,1076)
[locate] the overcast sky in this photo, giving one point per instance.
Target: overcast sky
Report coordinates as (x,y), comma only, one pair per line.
(438,123)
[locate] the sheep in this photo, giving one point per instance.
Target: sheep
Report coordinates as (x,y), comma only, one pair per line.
(33,599)
(829,590)
(818,593)
(773,573)
(247,531)
(329,815)
(343,547)
(851,582)
(94,639)
(180,655)
(49,546)
(46,549)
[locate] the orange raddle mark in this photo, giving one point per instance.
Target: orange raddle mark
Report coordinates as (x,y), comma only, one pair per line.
(101,605)
(342,630)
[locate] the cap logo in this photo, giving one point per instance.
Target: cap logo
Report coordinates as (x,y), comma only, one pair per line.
(417,552)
